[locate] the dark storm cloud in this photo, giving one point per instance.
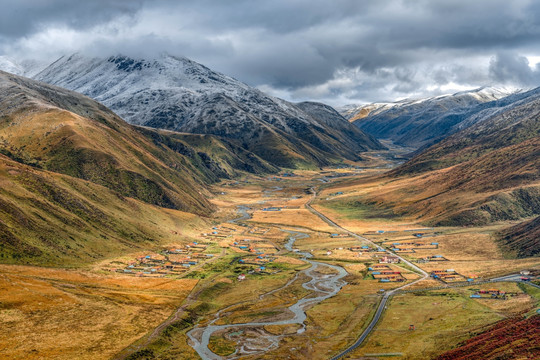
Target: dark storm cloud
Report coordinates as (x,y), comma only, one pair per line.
(508,68)
(338,51)
(25,17)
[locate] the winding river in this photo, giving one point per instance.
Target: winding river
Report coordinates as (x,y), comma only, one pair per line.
(323,286)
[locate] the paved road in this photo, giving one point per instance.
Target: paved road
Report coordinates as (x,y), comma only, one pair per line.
(385,297)
(515,278)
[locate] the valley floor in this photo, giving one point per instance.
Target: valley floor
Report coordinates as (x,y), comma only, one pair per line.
(252,270)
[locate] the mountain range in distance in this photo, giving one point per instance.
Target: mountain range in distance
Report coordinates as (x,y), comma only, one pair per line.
(421,122)
(484,169)
(175,93)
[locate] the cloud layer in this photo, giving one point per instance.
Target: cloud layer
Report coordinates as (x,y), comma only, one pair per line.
(343,51)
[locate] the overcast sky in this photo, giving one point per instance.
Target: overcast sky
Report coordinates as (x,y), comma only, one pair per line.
(335,51)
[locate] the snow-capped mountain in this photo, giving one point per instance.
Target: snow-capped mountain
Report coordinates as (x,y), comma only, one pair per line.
(178,94)
(423,121)
(354,112)
(28,68)
(11,66)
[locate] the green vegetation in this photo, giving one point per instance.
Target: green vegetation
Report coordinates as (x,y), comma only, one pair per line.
(219,345)
(356,208)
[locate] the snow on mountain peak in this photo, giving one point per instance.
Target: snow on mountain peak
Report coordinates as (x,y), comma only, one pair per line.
(175,93)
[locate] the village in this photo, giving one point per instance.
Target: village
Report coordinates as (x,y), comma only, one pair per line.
(251,243)
(173,261)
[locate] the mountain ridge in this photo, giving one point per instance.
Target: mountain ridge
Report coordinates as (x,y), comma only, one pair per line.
(422,122)
(176,93)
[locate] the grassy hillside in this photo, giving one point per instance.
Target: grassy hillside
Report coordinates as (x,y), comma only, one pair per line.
(64,132)
(57,220)
(515,338)
(523,238)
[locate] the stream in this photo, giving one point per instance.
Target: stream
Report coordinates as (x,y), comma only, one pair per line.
(323,286)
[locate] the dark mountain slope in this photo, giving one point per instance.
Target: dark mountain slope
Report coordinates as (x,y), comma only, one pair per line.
(523,238)
(417,123)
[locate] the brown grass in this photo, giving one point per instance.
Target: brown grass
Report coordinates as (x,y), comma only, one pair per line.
(60,314)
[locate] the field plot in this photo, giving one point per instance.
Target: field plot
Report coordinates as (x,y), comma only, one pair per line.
(292,217)
(76,315)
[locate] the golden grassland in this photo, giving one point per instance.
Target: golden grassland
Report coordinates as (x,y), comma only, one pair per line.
(296,218)
(68,314)
(441,319)
(57,220)
(470,251)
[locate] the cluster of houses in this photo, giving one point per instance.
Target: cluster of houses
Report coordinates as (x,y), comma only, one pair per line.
(366,249)
(432,258)
(173,261)
(491,294)
(220,232)
(376,252)
(449,275)
(384,273)
(259,263)
(389,259)
(411,247)
(247,245)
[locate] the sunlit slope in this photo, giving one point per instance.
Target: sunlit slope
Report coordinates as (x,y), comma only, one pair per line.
(64,132)
(79,183)
(54,219)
